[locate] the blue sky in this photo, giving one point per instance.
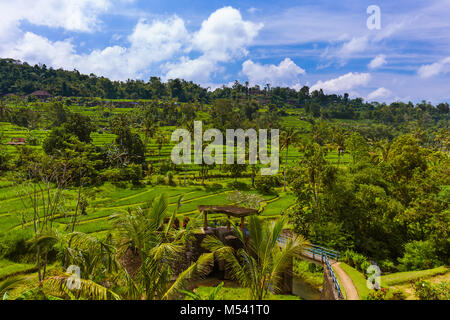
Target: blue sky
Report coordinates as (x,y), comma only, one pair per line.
(323,43)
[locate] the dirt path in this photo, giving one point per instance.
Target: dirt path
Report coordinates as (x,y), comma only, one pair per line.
(346,282)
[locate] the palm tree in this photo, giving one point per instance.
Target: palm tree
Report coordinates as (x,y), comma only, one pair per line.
(158,247)
(338,142)
(4,111)
(289,136)
(96,261)
(189,125)
(161,139)
(259,264)
(384,146)
(8,285)
(156,244)
(149,129)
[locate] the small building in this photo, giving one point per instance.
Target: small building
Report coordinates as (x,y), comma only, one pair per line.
(230,211)
(17,141)
(41,94)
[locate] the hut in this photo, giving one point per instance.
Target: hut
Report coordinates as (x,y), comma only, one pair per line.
(17,141)
(43,95)
(230,211)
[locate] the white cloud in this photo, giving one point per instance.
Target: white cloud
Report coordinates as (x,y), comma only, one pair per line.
(285,74)
(199,69)
(152,46)
(74,15)
(148,44)
(380,93)
(377,62)
(430,70)
(224,36)
(355,45)
(346,82)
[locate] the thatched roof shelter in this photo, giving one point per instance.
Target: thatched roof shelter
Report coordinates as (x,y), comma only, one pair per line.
(234,211)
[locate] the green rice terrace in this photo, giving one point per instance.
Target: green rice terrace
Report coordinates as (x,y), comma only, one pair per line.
(88,183)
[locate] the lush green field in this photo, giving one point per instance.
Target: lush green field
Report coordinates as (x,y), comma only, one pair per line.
(403,277)
(229,293)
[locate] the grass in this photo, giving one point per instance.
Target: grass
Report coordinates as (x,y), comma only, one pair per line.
(8,268)
(409,291)
(311,275)
(403,277)
(229,293)
(358,279)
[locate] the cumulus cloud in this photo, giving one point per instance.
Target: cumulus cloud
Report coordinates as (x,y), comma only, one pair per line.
(148,43)
(430,70)
(74,15)
(224,36)
(380,93)
(346,82)
(355,45)
(377,62)
(285,74)
(199,69)
(152,46)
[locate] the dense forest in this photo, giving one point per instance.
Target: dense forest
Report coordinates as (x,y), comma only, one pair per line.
(21,79)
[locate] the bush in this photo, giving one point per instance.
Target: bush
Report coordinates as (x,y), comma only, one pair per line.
(160,180)
(386,294)
(171,182)
(419,255)
(428,291)
(214,187)
(356,260)
(387,266)
(14,245)
(238,185)
(132,172)
(267,184)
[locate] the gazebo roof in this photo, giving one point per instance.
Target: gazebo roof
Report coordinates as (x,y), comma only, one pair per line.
(234,211)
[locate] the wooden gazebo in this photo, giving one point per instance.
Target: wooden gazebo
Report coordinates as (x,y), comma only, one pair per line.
(230,211)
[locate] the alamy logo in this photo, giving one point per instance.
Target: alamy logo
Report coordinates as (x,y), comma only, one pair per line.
(374,20)
(213,152)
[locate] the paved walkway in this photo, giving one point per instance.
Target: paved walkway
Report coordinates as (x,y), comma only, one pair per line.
(346,282)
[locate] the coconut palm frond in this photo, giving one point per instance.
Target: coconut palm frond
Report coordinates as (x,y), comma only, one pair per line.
(87,288)
(158,210)
(174,214)
(197,270)
(8,285)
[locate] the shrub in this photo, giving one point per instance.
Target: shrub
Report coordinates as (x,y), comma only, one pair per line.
(386,294)
(387,266)
(214,187)
(171,182)
(160,180)
(428,291)
(238,185)
(132,172)
(14,245)
(419,255)
(266,184)
(356,260)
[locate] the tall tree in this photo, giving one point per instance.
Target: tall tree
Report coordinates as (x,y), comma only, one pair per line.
(289,136)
